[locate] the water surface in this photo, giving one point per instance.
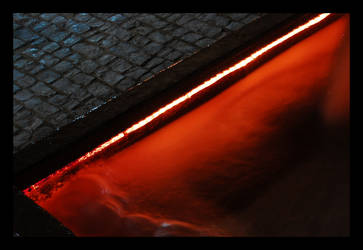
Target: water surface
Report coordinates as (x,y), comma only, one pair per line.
(236,165)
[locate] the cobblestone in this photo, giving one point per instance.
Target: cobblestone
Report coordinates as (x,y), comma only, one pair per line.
(48,76)
(80,93)
(191,37)
(30,124)
(42,89)
(45,109)
(63,67)
(49,60)
(72,73)
(234,25)
(121,65)
(179,32)
(74,58)
(23,95)
(139,41)
(17,74)
(25,81)
(16,107)
(59,119)
(99,90)
(36,68)
(15,88)
(33,52)
(154,62)
(138,58)
(237,16)
(58,99)
(39,42)
(158,37)
(71,40)
(24,113)
(25,35)
(65,64)
(120,33)
(16,57)
(82,78)
(112,77)
(61,53)
(59,20)
(96,38)
(71,104)
(82,17)
(105,59)
(21,63)
(80,28)
(21,139)
(142,30)
(204,42)
(109,42)
(136,73)
(173,55)
(51,47)
(184,19)
(125,84)
(88,66)
(54,34)
(183,47)
(117,18)
(153,48)
(40,26)
(89,51)
(130,23)
(62,85)
(17,43)
(48,16)
(95,23)
(123,49)
(31,103)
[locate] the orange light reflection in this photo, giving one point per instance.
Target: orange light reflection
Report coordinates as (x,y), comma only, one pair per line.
(176,102)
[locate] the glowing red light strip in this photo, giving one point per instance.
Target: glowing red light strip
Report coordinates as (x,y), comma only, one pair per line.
(219,76)
(181,99)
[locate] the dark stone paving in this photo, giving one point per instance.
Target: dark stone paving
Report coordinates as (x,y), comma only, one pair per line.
(66,64)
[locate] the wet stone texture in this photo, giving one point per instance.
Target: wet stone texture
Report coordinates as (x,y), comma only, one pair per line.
(66,64)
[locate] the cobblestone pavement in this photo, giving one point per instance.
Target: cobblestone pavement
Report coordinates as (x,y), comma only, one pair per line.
(66,64)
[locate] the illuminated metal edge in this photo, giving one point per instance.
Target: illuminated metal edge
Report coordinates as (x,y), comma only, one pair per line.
(32,191)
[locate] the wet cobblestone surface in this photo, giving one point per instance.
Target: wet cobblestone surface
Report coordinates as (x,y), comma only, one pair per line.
(65,64)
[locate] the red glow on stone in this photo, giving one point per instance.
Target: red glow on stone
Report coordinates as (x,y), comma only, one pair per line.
(38,191)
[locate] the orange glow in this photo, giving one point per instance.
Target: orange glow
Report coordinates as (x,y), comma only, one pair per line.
(176,102)
(226,72)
